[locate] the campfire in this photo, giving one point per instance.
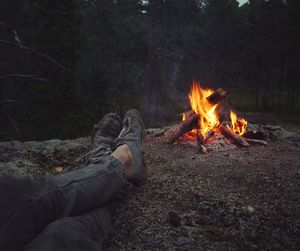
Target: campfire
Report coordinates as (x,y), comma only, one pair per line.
(206,121)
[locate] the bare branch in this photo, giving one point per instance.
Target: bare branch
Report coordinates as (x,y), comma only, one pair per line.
(33,77)
(8,101)
(42,55)
(13,32)
(13,124)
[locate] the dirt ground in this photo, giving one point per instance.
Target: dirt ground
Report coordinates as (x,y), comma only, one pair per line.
(240,199)
(235,199)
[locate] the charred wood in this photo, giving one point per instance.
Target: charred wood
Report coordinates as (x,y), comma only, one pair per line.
(175,132)
(261,135)
(191,120)
(238,140)
(217,96)
(208,137)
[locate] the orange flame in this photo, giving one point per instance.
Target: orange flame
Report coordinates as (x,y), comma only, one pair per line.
(208,119)
(208,116)
(238,125)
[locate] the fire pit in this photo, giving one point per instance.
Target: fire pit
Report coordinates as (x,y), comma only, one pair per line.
(206,122)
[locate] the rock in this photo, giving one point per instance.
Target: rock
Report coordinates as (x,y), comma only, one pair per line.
(203,220)
(275,132)
(152,241)
(183,241)
(262,135)
(48,145)
(10,150)
(17,168)
(35,158)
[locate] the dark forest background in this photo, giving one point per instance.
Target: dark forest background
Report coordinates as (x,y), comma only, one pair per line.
(64,64)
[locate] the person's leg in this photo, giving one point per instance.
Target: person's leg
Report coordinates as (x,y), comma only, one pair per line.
(76,192)
(88,188)
(85,232)
(132,137)
(54,197)
(88,231)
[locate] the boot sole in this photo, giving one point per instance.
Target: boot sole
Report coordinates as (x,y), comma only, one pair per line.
(141,181)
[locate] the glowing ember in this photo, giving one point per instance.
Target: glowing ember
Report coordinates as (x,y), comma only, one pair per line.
(208,117)
(238,125)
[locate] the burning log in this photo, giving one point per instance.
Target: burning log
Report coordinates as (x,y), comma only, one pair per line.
(205,120)
(208,136)
(217,96)
(175,132)
(191,119)
(187,114)
(237,139)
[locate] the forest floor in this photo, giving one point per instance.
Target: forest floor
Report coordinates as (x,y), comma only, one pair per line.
(235,199)
(240,199)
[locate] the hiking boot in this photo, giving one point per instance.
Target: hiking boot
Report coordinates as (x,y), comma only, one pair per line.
(132,135)
(103,137)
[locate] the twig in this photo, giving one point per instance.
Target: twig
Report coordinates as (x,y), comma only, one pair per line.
(23,76)
(256,142)
(202,148)
(42,55)
(161,131)
(12,30)
(13,124)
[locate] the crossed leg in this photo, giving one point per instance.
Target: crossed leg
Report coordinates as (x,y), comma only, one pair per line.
(60,203)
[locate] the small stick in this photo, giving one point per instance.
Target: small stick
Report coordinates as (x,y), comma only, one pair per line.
(256,142)
(202,148)
(161,131)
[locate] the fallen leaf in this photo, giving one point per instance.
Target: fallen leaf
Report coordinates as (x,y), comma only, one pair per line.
(57,170)
(250,209)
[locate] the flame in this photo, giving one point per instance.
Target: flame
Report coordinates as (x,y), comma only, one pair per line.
(208,119)
(238,125)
